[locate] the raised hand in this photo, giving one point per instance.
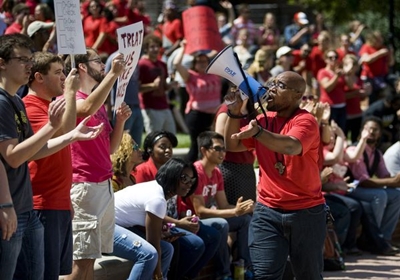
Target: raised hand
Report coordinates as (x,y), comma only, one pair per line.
(56,112)
(123,112)
(72,82)
(118,64)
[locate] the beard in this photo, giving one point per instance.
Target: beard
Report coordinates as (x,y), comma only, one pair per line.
(95,74)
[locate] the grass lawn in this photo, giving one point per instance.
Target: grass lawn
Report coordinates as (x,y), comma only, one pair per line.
(183,140)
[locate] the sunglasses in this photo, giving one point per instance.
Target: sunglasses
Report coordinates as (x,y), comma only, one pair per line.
(307,97)
(186,179)
(218,148)
(332,57)
(135,147)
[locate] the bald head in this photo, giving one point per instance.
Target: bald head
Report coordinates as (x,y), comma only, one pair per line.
(293,80)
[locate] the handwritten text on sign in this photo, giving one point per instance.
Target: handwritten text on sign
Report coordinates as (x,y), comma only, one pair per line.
(130,39)
(70,39)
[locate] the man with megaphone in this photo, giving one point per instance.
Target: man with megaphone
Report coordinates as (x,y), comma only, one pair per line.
(289,218)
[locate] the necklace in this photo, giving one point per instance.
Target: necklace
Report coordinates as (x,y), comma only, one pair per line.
(280,158)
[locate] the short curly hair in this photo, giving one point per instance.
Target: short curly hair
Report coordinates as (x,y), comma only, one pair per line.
(122,155)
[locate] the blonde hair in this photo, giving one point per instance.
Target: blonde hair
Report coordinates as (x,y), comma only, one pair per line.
(260,56)
(122,155)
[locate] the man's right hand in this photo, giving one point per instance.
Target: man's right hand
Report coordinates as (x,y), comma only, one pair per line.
(72,82)
(118,64)
(8,222)
(56,112)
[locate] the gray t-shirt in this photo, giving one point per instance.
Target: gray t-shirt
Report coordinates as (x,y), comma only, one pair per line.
(18,178)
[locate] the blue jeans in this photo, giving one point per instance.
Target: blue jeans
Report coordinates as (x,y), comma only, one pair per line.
(167,251)
(57,242)
(222,255)
(385,205)
(135,124)
(195,250)
(240,225)
(23,256)
(132,247)
(276,234)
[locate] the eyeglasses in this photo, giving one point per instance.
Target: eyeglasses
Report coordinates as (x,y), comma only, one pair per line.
(218,149)
(332,57)
(96,60)
(280,85)
(186,179)
(23,59)
(307,97)
(136,147)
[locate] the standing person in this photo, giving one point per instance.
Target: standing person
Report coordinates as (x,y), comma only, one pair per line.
(91,192)
(204,97)
(332,85)
(237,167)
(289,217)
(153,87)
(51,176)
(8,218)
(18,144)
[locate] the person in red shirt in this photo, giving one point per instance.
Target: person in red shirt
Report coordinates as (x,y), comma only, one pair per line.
(94,24)
(345,47)
(302,63)
(172,29)
(376,59)
(317,53)
(51,176)
(153,86)
(289,218)
(332,83)
(21,20)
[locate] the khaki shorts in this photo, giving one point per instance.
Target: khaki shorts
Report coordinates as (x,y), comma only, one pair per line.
(93,223)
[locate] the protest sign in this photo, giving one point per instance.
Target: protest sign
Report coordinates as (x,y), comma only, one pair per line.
(130,39)
(201,30)
(70,39)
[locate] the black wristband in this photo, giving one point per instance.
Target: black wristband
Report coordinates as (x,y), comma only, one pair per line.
(235,116)
(260,130)
(6,205)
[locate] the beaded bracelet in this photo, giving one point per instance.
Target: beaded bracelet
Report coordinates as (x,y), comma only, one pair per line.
(259,132)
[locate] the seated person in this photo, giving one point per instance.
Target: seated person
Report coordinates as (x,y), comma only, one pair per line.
(377,190)
(337,157)
(141,209)
(157,150)
(199,244)
(209,201)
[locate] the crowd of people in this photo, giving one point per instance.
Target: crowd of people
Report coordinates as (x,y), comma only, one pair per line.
(76,182)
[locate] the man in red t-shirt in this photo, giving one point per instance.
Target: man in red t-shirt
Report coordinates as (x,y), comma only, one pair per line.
(153,87)
(289,218)
(51,176)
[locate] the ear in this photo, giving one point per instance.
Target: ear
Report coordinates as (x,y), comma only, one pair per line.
(38,77)
(82,66)
(2,63)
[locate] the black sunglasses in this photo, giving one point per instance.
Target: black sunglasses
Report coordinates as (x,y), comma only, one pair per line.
(186,179)
(218,148)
